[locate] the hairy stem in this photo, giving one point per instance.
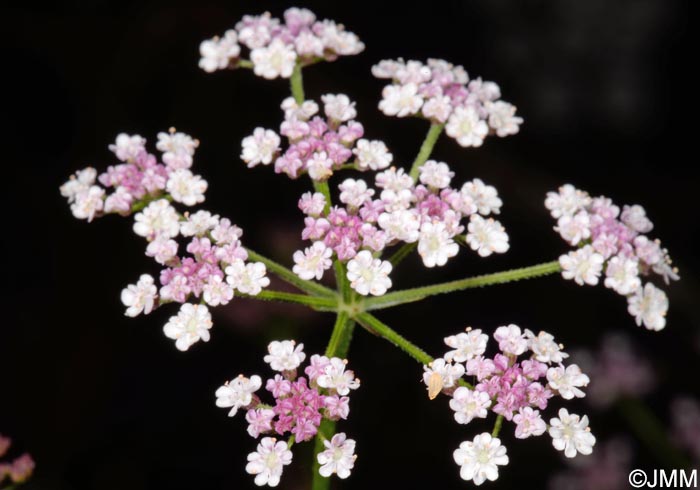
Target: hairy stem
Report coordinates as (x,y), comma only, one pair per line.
(318,303)
(296,82)
(324,189)
(288,276)
(338,346)
(402,253)
(416,294)
(426,148)
(497,426)
(374,325)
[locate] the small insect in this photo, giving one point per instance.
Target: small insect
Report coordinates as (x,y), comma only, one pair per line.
(434,385)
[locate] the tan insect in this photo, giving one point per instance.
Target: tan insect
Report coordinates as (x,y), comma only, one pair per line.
(434,385)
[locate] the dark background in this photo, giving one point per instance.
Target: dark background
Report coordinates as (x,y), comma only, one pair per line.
(106,402)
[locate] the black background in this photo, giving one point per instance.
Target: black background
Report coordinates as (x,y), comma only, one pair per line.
(105,402)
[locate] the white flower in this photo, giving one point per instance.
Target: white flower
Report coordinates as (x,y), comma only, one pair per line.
(217,292)
(268,461)
(338,107)
(339,456)
(574,229)
(438,108)
(225,233)
(140,297)
(570,433)
(127,148)
(254,31)
(275,60)
(401,225)
(449,374)
(622,275)
(479,459)
(567,201)
(177,148)
(584,265)
(486,236)
(88,203)
(502,117)
(485,197)
(567,381)
(158,219)
(118,201)
(400,100)
(335,377)
(466,345)
(354,193)
(465,126)
(306,44)
(435,244)
(319,165)
(386,68)
(510,340)
(313,261)
(162,249)
(368,275)
(529,423)
(469,404)
(544,347)
(185,187)
(78,183)
(260,147)
(191,324)
(372,154)
(648,306)
(198,223)
(436,174)
(336,39)
(237,393)
(636,218)
(217,52)
(413,72)
(394,180)
(284,355)
(247,278)
(302,112)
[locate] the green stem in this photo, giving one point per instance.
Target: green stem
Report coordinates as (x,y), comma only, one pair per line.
(323,188)
(402,252)
(290,277)
(315,302)
(296,82)
(338,346)
(652,433)
(417,294)
(426,148)
(374,325)
(244,64)
(497,426)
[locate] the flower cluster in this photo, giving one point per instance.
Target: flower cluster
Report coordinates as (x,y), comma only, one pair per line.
(20,469)
(428,213)
(300,404)
(512,386)
(140,177)
(276,46)
(613,243)
(317,145)
(216,262)
(443,93)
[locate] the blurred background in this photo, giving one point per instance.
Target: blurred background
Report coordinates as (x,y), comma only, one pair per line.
(106,402)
